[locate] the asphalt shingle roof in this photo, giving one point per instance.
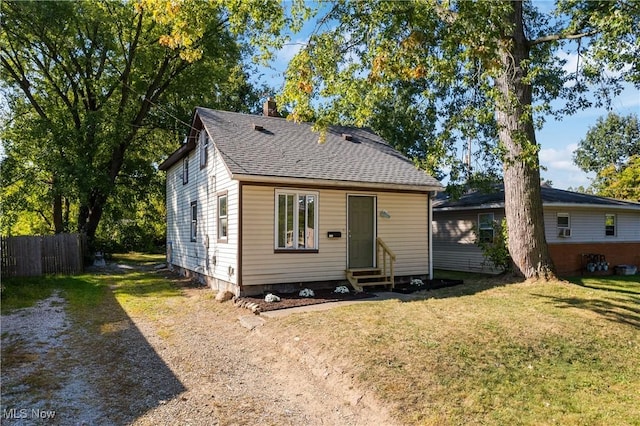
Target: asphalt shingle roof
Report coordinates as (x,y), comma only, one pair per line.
(550,196)
(291,150)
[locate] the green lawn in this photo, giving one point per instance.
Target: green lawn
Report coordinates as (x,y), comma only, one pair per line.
(525,353)
(485,352)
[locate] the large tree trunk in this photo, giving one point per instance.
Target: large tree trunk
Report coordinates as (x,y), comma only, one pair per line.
(523,200)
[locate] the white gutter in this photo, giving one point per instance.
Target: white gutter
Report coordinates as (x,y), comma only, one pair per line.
(284,181)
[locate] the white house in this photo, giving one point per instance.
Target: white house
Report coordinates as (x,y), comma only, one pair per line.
(577,226)
(255,203)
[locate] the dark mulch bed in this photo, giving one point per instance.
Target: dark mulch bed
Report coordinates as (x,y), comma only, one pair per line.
(429,285)
(292,300)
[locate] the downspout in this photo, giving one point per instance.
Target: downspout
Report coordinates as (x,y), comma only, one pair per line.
(430,233)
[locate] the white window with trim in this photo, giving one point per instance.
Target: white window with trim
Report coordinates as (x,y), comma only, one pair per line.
(610,225)
(563,222)
(194,220)
(223,220)
(485,227)
(204,148)
(296,220)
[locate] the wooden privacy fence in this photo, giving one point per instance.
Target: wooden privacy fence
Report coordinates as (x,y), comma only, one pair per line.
(40,255)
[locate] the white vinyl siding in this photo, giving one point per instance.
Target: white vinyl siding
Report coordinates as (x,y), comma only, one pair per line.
(454,245)
(206,255)
(588,225)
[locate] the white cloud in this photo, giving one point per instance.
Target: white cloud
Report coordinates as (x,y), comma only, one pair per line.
(560,168)
(572,61)
(288,51)
(561,159)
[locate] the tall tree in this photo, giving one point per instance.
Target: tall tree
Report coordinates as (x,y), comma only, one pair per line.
(86,82)
(482,70)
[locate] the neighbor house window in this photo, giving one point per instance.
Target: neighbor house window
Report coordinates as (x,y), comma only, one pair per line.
(223,223)
(563,221)
(610,225)
(296,220)
(185,170)
(194,220)
(204,148)
(485,227)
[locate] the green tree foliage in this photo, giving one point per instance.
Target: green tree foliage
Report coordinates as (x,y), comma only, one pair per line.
(611,142)
(611,149)
(483,70)
(622,183)
(98,93)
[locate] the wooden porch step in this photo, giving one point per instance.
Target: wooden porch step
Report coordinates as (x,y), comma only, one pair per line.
(362,277)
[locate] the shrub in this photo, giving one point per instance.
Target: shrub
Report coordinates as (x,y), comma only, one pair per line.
(496,252)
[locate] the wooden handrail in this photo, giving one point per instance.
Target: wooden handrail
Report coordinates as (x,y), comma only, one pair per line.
(386,253)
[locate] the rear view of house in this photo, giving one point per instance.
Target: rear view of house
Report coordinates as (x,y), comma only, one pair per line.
(256,203)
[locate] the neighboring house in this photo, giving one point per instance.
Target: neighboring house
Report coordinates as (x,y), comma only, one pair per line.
(255,203)
(576,226)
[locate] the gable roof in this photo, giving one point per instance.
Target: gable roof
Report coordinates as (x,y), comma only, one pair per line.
(262,148)
(550,197)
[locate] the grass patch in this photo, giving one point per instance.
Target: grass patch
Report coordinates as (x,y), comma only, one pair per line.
(81,291)
(145,293)
(526,353)
(620,283)
(136,258)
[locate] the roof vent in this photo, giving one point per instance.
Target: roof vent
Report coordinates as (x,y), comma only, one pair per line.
(257,127)
(347,137)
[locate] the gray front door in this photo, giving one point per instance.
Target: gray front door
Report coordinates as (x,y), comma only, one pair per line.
(361,231)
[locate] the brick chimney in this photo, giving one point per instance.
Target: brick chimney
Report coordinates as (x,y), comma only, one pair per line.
(270,109)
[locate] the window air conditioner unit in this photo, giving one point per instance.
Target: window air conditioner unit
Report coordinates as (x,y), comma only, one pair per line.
(564,232)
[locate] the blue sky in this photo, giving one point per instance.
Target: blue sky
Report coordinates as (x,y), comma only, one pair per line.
(558,139)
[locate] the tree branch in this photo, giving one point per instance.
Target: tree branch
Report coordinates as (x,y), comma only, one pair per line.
(556,37)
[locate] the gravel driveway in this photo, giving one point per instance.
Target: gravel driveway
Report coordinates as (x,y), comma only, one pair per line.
(194,365)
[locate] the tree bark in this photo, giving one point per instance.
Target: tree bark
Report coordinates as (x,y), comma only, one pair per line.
(523,199)
(58,225)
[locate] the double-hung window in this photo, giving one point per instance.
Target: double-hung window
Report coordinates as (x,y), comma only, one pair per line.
(610,225)
(204,148)
(563,222)
(296,220)
(223,223)
(485,227)
(194,220)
